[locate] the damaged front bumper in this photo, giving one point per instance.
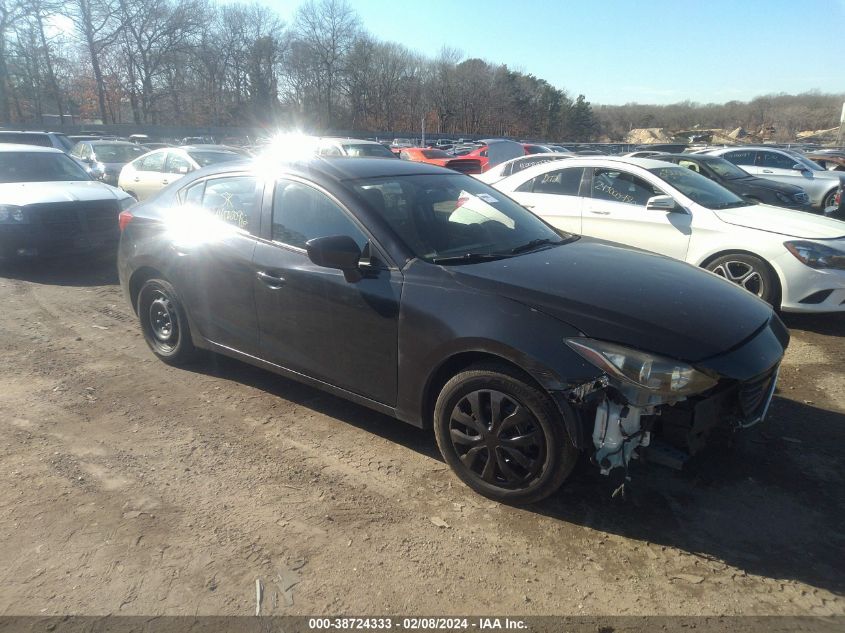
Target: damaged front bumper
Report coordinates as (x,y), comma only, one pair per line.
(616,421)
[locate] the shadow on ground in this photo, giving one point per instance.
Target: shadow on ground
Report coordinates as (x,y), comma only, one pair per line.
(83,270)
(772,504)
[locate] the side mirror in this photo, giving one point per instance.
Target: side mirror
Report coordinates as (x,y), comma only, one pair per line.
(798,167)
(336,251)
(661,203)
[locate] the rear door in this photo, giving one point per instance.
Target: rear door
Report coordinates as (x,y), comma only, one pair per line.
(555,196)
(149,171)
(743,158)
(616,211)
(312,320)
(216,257)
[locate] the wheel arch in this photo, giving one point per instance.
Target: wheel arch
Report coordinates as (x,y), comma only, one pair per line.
(136,281)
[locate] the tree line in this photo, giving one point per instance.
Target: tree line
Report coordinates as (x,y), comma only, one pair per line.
(203,63)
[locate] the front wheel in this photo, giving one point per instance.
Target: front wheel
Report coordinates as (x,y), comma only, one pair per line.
(829,200)
(502,435)
(750,272)
(164,323)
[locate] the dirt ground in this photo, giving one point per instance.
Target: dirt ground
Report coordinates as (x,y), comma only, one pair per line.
(129,487)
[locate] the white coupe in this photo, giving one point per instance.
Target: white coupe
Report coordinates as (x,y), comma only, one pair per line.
(792,259)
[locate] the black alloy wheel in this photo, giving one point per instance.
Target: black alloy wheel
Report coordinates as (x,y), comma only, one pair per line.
(502,435)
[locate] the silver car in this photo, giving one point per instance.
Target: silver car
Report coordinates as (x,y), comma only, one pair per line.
(788,167)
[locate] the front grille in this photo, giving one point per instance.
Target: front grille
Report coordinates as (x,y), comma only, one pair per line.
(71,219)
(755,395)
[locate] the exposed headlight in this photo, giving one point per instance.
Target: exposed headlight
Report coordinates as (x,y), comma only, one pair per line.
(655,374)
(11,214)
(817,255)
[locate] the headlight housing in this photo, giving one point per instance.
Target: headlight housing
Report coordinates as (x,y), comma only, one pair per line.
(655,374)
(11,214)
(815,255)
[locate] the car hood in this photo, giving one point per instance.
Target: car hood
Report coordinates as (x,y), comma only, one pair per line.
(23,193)
(769,185)
(783,221)
(627,296)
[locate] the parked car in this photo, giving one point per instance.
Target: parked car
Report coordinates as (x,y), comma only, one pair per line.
(50,206)
(155,170)
(791,259)
(441,158)
(789,167)
(103,160)
(534,148)
(741,182)
(42,139)
(516,165)
(355,148)
(492,152)
(401,143)
(830,161)
(837,210)
(427,295)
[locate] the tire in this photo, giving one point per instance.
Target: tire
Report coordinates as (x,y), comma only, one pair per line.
(164,323)
(749,272)
(827,201)
(533,453)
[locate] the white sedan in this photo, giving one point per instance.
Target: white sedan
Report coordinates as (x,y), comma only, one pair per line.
(789,258)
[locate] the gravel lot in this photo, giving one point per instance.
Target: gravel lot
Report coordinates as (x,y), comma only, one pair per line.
(135,488)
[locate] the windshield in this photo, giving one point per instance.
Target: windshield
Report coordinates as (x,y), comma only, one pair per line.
(206,158)
(444,215)
(39,167)
(698,188)
(118,153)
(726,169)
(368,149)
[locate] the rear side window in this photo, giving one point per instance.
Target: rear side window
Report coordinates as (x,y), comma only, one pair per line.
(562,182)
(773,159)
(41,140)
(741,157)
(233,199)
(151,162)
(301,213)
(177,164)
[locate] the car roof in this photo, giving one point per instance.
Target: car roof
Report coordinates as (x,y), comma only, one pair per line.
(21,147)
(337,167)
(27,132)
(108,142)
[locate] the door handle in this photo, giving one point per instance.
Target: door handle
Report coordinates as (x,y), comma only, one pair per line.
(599,212)
(269,280)
(137,178)
(165,182)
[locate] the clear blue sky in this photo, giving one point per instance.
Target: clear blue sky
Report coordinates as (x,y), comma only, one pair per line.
(616,51)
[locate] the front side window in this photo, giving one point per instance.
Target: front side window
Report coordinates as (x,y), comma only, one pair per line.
(302,213)
(562,182)
(177,164)
(619,186)
(774,160)
(444,216)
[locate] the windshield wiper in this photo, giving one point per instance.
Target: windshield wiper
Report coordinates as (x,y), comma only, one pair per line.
(468,258)
(530,246)
(731,205)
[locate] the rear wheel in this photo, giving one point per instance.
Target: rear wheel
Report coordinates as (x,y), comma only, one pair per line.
(164,323)
(750,272)
(502,435)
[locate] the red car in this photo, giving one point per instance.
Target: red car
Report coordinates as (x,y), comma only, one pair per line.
(465,164)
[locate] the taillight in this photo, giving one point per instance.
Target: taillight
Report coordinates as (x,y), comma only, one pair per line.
(123,219)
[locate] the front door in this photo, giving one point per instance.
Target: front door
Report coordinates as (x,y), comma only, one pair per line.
(616,211)
(311,319)
(554,196)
